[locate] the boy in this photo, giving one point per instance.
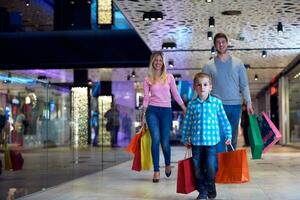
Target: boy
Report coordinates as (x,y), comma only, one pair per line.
(204,118)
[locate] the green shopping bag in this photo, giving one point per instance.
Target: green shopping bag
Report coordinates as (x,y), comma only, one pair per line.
(146,155)
(256,142)
(7,159)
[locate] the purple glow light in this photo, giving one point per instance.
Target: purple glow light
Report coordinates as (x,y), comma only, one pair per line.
(54,75)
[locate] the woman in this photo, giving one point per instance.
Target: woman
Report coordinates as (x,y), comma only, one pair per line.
(158,87)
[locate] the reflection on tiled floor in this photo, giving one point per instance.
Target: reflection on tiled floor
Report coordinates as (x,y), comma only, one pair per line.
(44,168)
(276,176)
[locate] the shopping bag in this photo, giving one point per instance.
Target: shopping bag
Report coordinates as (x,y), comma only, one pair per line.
(270,134)
(233,167)
(131,148)
(255,139)
(186,181)
(7,160)
(17,160)
(146,155)
(136,163)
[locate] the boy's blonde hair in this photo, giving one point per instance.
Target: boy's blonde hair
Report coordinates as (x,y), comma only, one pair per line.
(202,75)
(163,75)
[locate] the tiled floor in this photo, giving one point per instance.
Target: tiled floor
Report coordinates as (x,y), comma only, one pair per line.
(44,168)
(276,176)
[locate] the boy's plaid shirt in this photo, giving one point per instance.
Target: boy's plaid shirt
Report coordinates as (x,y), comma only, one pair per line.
(204,121)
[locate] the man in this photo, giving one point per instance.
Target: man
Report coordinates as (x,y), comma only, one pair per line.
(230,81)
(113,124)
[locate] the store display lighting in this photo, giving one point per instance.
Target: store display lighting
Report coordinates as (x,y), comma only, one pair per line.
(105,12)
(297,75)
(9,79)
(104,103)
(80,115)
(27,100)
(15,101)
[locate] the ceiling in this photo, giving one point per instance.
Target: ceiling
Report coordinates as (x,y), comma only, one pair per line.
(186,23)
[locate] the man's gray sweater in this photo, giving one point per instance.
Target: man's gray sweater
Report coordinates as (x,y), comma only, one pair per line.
(229,80)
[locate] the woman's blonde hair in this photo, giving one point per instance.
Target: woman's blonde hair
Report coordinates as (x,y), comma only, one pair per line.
(151,72)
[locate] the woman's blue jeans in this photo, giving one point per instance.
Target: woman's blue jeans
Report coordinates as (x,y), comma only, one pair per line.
(205,164)
(159,121)
(233,113)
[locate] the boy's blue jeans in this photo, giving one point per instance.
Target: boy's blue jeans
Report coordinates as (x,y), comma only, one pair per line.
(205,164)
(233,113)
(159,121)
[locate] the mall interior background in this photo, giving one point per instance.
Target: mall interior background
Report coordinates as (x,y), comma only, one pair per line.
(55,96)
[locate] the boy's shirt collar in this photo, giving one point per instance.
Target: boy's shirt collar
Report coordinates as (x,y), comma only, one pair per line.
(207,100)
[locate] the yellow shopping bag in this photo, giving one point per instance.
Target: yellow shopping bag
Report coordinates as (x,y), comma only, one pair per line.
(146,155)
(7,159)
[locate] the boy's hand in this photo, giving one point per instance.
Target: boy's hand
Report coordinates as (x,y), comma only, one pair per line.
(250,109)
(228,142)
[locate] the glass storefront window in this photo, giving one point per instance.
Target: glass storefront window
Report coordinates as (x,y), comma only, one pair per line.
(43,130)
(294,102)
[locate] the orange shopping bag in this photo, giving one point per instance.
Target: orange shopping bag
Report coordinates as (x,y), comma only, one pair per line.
(131,148)
(233,167)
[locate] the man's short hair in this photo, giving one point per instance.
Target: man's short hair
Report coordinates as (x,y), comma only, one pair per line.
(220,35)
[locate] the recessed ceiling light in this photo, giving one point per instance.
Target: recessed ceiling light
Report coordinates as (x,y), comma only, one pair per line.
(152,15)
(133,74)
(169,45)
(211,22)
(264,54)
(171,63)
(209,35)
(213,50)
